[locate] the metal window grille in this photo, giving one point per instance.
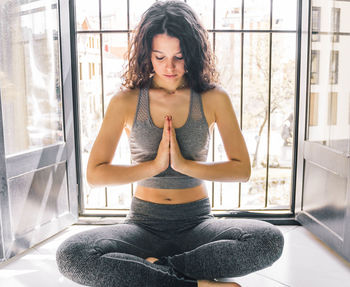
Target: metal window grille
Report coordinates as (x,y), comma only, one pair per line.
(261,44)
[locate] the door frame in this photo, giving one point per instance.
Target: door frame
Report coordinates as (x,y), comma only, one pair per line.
(63,153)
(331,160)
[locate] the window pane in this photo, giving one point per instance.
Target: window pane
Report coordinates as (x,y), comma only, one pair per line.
(228,53)
(114,49)
(281,119)
(316,23)
(313,109)
(87,15)
(114,15)
(257,14)
(332,108)
(333,67)
(114,54)
(226,194)
(284,14)
(91,107)
(333,88)
(137,8)
(204,9)
(255,105)
(335,24)
(228,14)
(31,96)
(315,67)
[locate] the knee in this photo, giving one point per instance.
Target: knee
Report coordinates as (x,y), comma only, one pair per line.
(70,256)
(271,242)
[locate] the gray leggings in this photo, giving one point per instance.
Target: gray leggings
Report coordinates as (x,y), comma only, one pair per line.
(188,241)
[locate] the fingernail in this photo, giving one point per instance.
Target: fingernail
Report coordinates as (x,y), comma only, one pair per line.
(170,117)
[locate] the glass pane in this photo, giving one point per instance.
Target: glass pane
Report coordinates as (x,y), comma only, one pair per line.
(114,15)
(120,196)
(329,97)
(137,8)
(228,54)
(228,14)
(226,194)
(257,14)
(87,15)
(30,78)
(90,105)
(255,113)
(114,57)
(204,9)
(284,14)
(281,119)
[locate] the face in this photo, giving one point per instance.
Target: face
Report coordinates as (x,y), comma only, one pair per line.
(167,59)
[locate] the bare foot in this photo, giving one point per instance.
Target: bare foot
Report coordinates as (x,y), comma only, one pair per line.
(151,259)
(205,283)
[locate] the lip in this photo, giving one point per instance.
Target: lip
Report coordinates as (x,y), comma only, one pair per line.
(170,76)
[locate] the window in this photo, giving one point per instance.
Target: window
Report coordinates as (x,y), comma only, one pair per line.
(315,67)
(333,67)
(332,108)
(256,57)
(313,109)
(316,24)
(80,71)
(335,22)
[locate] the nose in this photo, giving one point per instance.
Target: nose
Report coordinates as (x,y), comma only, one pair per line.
(170,64)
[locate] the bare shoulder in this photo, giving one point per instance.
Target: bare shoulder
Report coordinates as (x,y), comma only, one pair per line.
(123,102)
(124,98)
(216,98)
(216,94)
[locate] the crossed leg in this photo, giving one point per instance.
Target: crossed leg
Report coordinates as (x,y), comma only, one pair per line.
(226,248)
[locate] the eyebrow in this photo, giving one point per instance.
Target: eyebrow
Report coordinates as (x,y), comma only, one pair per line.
(157,51)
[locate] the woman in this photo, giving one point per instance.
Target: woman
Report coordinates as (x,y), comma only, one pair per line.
(168,110)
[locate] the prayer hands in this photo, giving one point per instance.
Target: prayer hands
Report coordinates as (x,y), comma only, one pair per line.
(176,158)
(162,159)
(169,150)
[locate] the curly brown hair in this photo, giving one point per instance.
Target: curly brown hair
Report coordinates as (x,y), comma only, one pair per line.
(176,19)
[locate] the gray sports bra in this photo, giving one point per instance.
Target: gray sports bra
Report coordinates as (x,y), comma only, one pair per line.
(193,139)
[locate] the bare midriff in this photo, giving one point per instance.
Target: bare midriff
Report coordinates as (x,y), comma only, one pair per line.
(171,196)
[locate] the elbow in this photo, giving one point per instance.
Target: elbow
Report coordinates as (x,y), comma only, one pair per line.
(91,177)
(246,173)
(241,170)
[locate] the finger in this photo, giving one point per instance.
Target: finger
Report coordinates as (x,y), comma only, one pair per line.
(172,131)
(169,124)
(166,127)
(171,128)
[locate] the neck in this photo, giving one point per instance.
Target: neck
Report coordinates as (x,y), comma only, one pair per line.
(169,88)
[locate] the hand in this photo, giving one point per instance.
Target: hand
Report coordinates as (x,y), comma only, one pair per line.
(176,159)
(163,155)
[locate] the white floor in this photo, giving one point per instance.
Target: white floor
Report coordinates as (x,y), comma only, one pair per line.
(306,262)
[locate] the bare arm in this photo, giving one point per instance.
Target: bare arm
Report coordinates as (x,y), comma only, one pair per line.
(100,171)
(237,167)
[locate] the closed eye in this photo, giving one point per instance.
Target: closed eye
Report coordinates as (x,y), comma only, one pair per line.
(159,58)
